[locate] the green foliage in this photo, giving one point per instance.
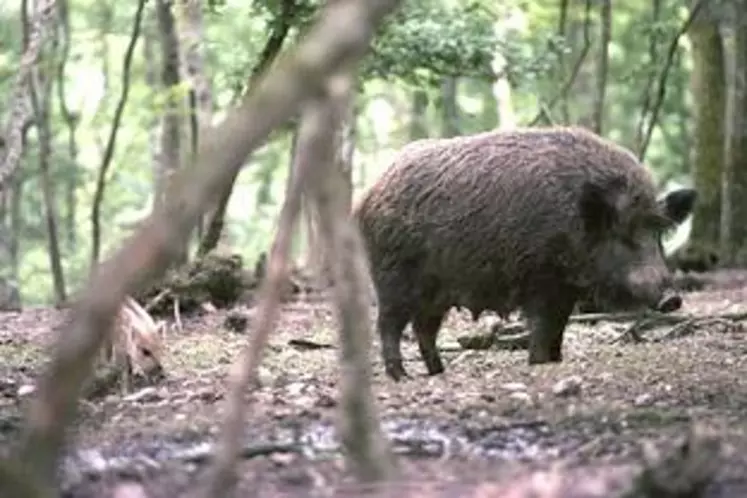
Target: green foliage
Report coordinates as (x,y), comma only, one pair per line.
(427,40)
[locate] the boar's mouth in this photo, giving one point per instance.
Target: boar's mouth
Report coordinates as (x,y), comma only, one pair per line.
(619,298)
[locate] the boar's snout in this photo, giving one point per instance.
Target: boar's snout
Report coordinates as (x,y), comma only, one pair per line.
(650,284)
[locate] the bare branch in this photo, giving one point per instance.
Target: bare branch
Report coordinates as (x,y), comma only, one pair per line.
(221,480)
(563,94)
(267,57)
(361,435)
(603,63)
(662,86)
(20,110)
(340,37)
(106,160)
(652,60)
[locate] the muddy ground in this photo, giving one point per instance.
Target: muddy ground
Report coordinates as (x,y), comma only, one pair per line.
(490,417)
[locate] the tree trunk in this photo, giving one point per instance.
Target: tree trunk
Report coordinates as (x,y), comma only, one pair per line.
(40,85)
(602,63)
(708,85)
(16,195)
(418,121)
(449,91)
(502,95)
(562,69)
(191,38)
(581,91)
(71,121)
(170,157)
(344,146)
(108,152)
(151,79)
(734,175)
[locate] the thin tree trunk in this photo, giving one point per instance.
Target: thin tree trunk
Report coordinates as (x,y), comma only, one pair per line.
(71,120)
(733,235)
(108,154)
(191,35)
(16,195)
(709,86)
(418,122)
(602,63)
(581,90)
(170,138)
(562,69)
(344,149)
(449,91)
(502,95)
(41,92)
(151,79)
(653,45)
(367,453)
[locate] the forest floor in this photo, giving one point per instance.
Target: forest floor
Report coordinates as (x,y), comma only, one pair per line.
(490,418)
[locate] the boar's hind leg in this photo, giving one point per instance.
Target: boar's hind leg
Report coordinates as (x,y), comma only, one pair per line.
(547,317)
(425,325)
(390,324)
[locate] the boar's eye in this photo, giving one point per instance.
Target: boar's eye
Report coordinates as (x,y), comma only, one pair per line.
(146,352)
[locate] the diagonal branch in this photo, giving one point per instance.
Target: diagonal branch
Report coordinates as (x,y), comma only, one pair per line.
(662,86)
(563,93)
(336,41)
(106,160)
(269,53)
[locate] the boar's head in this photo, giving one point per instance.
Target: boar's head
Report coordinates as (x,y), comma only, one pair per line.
(624,224)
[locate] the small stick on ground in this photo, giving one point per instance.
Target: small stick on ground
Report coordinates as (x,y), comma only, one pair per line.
(360,432)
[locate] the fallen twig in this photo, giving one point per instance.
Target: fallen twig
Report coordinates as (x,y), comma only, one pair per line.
(682,323)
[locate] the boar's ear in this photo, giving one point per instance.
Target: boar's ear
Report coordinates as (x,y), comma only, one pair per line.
(599,206)
(678,204)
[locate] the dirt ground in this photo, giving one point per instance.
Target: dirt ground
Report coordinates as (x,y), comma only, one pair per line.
(489,418)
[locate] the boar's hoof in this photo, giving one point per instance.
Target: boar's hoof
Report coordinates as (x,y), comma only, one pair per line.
(669,303)
(395,370)
(539,357)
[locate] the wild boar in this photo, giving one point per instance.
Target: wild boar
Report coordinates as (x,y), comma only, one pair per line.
(530,219)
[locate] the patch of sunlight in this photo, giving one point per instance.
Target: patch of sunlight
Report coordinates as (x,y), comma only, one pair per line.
(86,90)
(472,104)
(383,114)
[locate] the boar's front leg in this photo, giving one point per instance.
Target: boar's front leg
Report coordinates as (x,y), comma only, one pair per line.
(547,315)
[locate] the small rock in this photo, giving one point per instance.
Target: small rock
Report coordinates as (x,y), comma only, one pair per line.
(514,386)
(264,377)
(25,390)
(521,396)
(570,386)
(643,400)
(236,321)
